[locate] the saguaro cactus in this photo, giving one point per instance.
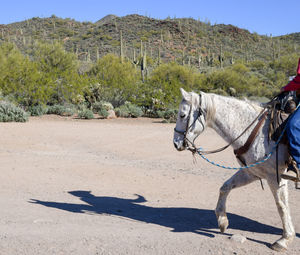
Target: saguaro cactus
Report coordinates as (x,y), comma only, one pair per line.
(199,61)
(88,56)
(97,53)
(221,58)
(158,56)
(161,37)
(189,61)
(141,49)
(135,61)
(182,57)
(144,65)
(121,47)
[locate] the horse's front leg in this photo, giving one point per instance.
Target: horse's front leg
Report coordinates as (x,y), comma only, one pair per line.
(280,193)
(239,179)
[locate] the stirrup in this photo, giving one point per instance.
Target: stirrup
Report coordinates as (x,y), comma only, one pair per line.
(292,166)
(290,177)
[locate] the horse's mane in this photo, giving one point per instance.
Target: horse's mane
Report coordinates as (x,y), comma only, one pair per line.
(255,105)
(208,101)
(211,109)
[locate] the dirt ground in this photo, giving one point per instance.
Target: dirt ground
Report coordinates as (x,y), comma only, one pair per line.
(119,187)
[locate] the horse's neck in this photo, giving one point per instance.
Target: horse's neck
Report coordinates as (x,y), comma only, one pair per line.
(231,118)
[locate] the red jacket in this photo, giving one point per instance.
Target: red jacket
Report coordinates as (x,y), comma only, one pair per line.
(295,83)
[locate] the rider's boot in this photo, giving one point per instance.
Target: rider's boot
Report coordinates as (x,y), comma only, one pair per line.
(295,175)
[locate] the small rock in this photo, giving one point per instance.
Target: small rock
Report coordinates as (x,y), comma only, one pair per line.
(111,114)
(42,221)
(238,238)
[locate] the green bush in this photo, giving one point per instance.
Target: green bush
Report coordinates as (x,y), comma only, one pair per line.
(37,110)
(49,76)
(151,113)
(10,112)
(129,110)
(62,110)
(122,111)
(259,99)
(118,80)
(103,113)
(162,90)
(169,115)
(99,106)
(86,114)
(134,110)
(55,109)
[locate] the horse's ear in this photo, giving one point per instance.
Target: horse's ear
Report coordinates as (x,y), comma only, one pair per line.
(185,95)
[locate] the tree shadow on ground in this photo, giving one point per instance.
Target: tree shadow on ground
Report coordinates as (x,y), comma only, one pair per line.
(200,221)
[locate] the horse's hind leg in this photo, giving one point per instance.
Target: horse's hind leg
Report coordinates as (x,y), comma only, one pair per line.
(239,179)
(280,193)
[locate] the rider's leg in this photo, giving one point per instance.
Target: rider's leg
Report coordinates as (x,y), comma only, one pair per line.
(293,132)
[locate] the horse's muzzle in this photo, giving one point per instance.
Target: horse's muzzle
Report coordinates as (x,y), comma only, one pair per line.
(180,146)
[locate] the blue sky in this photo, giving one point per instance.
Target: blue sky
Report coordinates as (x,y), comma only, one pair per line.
(265,17)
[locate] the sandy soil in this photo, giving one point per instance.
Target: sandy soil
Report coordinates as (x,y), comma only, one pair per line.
(119,187)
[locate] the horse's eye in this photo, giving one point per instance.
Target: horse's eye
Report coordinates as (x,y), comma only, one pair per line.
(182,115)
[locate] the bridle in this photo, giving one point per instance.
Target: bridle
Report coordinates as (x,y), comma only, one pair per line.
(186,141)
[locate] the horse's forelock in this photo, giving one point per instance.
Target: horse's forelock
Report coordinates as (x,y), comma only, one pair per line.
(208,105)
(205,101)
(195,100)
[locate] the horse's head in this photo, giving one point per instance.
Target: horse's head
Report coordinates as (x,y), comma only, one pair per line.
(191,120)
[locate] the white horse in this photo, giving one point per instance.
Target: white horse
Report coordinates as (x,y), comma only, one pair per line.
(229,117)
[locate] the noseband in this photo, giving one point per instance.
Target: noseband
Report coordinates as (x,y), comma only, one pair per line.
(188,126)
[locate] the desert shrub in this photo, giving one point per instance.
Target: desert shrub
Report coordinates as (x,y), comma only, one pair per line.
(118,81)
(259,99)
(59,72)
(162,89)
(122,111)
(55,109)
(48,76)
(103,113)
(86,114)
(99,106)
(129,110)
(62,110)
(219,91)
(10,112)
(169,115)
(20,78)
(37,110)
(134,110)
(152,113)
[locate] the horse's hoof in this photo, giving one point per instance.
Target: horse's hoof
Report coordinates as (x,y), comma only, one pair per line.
(278,247)
(223,223)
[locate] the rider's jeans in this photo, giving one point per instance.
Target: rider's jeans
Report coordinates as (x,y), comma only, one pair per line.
(293,132)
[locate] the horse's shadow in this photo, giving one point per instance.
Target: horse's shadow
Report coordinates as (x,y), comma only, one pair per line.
(201,221)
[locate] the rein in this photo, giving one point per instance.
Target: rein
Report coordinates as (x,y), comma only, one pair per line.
(262,113)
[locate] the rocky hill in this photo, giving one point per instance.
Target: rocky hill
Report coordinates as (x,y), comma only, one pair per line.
(183,40)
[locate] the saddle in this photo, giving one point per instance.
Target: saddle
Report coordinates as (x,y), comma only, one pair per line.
(280,109)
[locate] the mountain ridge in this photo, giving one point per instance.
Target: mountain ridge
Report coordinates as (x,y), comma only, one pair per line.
(184,40)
